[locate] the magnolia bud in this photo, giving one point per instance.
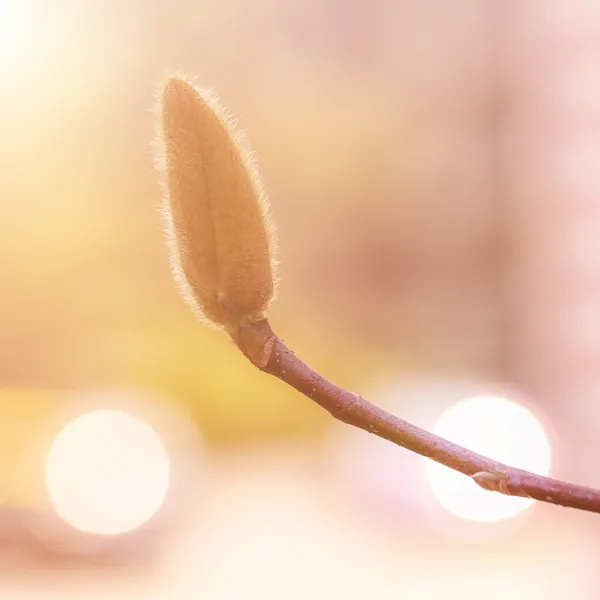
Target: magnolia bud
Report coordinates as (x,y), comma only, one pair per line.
(215,211)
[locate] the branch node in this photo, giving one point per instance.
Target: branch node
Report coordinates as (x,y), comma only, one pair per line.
(256,341)
(347,409)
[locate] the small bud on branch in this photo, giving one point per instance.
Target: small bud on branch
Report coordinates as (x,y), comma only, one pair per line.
(222,255)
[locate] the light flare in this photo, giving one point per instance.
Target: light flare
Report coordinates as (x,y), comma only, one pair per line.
(500,429)
(107,472)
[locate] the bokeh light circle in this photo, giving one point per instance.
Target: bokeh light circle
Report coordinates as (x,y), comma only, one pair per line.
(500,429)
(107,472)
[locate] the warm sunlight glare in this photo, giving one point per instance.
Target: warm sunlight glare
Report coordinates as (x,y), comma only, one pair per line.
(107,472)
(500,429)
(12,34)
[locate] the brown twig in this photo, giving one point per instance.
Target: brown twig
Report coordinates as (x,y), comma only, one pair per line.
(267,352)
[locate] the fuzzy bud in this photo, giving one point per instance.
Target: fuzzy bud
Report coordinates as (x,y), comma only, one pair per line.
(215,211)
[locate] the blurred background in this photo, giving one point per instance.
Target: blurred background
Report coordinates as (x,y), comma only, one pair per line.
(434,172)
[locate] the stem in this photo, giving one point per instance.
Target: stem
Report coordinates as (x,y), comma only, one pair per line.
(267,352)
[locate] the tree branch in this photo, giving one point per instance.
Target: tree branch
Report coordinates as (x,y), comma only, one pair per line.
(267,352)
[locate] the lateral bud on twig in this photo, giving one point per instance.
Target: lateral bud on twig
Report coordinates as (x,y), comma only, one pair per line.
(215,211)
(491,482)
